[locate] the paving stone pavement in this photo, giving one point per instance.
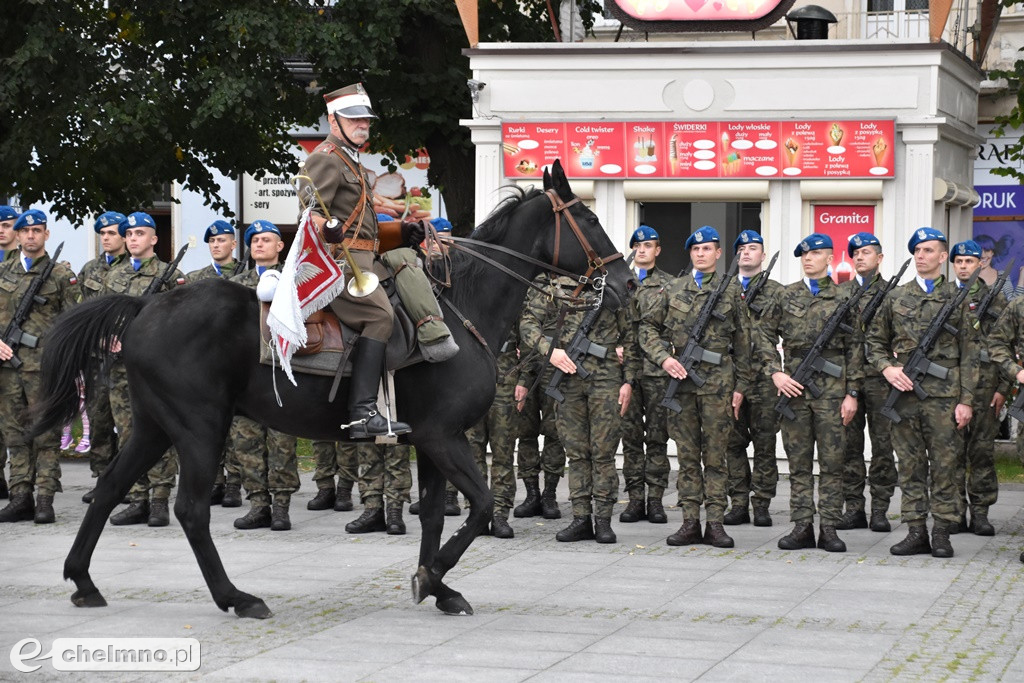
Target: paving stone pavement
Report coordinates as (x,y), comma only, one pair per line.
(544,610)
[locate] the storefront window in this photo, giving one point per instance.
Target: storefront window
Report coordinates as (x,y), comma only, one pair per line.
(674,222)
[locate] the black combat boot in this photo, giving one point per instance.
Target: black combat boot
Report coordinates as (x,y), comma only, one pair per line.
(634,511)
(580,529)
(4,492)
(44,510)
(500,527)
(530,507)
(371,520)
(394,523)
(714,534)
(364,422)
(958,527)
(738,514)
(941,547)
(159,512)
(916,542)
(548,502)
(687,534)
(20,509)
(762,517)
(879,522)
(828,539)
(656,511)
(324,499)
(137,512)
(603,530)
(216,495)
(258,517)
(802,536)
(232,496)
(980,526)
(279,518)
(852,519)
(451,504)
(343,502)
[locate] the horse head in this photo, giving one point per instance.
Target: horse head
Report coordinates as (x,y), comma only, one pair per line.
(579,242)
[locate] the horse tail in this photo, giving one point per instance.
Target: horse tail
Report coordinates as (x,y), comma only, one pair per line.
(74,350)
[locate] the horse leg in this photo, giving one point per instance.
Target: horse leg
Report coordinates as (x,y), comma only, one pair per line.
(144,448)
(431,497)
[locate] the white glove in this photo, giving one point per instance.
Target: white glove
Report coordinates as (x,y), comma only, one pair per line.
(267,285)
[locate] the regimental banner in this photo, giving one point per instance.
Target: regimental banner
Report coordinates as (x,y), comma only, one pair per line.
(841,222)
(701,149)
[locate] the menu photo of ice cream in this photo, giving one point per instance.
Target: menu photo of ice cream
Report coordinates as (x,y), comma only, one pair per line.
(791,156)
(879,154)
(835,136)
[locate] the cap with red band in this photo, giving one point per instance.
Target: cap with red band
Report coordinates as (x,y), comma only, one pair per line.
(351,102)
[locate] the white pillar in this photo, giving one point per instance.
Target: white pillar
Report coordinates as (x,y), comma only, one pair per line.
(486,136)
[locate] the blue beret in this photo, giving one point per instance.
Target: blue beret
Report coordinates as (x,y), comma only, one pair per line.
(138,219)
(925,234)
(967,248)
(218,228)
(441,224)
(862,239)
(384,218)
(644,233)
(747,237)
(260,226)
(815,240)
(7,213)
(30,217)
(702,235)
(107,219)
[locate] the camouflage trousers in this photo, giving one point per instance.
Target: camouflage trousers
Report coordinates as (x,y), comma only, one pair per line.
(229,471)
(646,424)
(499,427)
(160,478)
(881,475)
(102,438)
(539,419)
(701,432)
(384,472)
(929,447)
(590,427)
(332,458)
(32,464)
(817,422)
(758,424)
(266,458)
(977,468)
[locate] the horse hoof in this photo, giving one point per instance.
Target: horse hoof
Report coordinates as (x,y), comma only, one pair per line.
(455,605)
(255,609)
(422,585)
(93,599)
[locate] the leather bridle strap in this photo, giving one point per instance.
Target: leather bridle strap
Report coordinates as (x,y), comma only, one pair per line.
(594,262)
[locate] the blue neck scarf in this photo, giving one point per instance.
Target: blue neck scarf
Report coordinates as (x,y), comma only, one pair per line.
(136,264)
(260,270)
(745,281)
(641,273)
(698,277)
(110,258)
(28,263)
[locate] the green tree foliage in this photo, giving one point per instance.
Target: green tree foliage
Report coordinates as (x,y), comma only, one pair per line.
(1015,119)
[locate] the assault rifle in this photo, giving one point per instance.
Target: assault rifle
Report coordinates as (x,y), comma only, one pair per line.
(158,282)
(814,362)
(986,302)
(243,265)
(14,336)
(868,314)
(579,346)
(918,365)
(693,353)
(753,292)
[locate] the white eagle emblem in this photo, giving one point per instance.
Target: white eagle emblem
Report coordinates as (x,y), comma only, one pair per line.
(306,272)
(30,219)
(745,237)
(805,246)
(131,220)
(922,234)
(857,240)
(698,236)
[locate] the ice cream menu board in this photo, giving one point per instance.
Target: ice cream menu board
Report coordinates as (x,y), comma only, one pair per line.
(702,149)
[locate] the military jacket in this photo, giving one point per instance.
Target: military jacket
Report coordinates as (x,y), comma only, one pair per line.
(61,291)
(123,279)
(850,287)
(508,358)
(900,323)
(331,169)
(1006,340)
(95,272)
(210,271)
(989,377)
(611,330)
(651,286)
(251,277)
(771,289)
(669,316)
(8,254)
(798,317)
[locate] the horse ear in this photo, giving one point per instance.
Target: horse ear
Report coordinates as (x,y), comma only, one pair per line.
(547,180)
(560,182)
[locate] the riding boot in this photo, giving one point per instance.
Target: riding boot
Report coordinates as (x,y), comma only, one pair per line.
(580,529)
(531,507)
(232,496)
(324,499)
(941,547)
(688,534)
(279,519)
(828,539)
(762,517)
(343,501)
(548,502)
(656,511)
(258,517)
(853,519)
(603,530)
(216,495)
(634,511)
(136,513)
(916,542)
(364,422)
(802,536)
(44,510)
(395,524)
(715,535)
(500,527)
(451,504)
(4,491)
(371,520)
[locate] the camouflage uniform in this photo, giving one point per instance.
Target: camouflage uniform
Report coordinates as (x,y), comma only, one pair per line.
(882,475)
(332,458)
(703,427)
(5,255)
(797,316)
(122,278)
(37,463)
(588,420)
(758,423)
(1006,347)
(226,271)
(926,440)
(384,472)
(650,468)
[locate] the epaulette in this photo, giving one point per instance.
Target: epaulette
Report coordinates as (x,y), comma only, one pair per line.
(326,147)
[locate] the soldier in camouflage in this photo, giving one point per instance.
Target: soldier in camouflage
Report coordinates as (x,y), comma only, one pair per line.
(385,479)
(589,421)
(977,482)
(702,428)
(929,437)
(333,458)
(757,422)
(797,315)
(646,421)
(35,464)
(866,253)
(8,250)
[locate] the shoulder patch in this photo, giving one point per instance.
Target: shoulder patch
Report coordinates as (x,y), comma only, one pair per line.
(73,280)
(180,281)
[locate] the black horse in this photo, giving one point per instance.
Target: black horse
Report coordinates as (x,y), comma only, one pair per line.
(192,361)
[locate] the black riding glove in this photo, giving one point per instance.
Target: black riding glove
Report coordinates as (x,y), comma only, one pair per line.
(413,233)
